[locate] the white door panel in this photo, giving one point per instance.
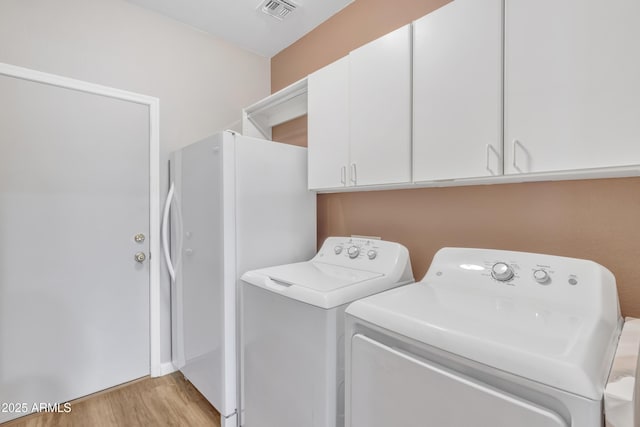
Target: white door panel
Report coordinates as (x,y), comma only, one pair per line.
(571,85)
(380,110)
(198,177)
(328,122)
(457,91)
(391,388)
(74,190)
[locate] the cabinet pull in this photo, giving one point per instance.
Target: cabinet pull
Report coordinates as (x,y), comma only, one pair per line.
(490,148)
(343,175)
(515,155)
(354,176)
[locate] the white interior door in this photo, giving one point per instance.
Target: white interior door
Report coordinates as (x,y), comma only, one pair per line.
(74,190)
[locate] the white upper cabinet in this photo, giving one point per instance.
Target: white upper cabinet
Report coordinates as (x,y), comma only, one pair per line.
(380,110)
(359,122)
(483,91)
(572,84)
(328,126)
(457,91)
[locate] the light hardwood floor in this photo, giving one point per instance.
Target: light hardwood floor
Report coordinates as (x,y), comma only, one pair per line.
(153,402)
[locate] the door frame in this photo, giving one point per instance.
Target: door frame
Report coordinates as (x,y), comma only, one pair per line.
(155,366)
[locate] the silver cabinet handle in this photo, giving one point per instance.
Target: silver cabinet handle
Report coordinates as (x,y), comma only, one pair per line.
(514,146)
(490,148)
(343,175)
(354,176)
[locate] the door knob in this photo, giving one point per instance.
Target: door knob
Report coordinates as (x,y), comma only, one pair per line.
(140,257)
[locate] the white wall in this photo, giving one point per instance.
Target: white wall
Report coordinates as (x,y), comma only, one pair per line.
(202,81)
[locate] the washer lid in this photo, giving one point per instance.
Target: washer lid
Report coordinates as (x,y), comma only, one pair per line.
(318,276)
(323,285)
(563,347)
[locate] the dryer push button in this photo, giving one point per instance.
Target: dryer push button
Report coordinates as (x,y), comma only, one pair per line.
(541,276)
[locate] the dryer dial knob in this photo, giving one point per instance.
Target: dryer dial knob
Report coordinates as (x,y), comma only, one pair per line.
(372,254)
(353,252)
(337,250)
(541,276)
(502,271)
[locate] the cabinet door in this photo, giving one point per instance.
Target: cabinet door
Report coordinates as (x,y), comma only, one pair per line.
(572,84)
(457,91)
(328,125)
(380,110)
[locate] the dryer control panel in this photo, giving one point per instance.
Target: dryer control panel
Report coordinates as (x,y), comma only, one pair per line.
(525,275)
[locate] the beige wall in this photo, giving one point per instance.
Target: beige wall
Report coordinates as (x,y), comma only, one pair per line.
(593,219)
(202,82)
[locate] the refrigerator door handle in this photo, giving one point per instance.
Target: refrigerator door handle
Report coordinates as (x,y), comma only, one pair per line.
(165,233)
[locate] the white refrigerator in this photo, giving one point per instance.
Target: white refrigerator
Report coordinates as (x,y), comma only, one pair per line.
(235,204)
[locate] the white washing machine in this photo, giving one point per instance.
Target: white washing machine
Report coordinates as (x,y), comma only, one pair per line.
(292,330)
(487,338)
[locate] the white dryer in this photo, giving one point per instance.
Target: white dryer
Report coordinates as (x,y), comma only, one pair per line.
(487,338)
(292,330)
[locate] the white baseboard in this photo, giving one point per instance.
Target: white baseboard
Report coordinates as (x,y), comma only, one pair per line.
(166,368)
(231,421)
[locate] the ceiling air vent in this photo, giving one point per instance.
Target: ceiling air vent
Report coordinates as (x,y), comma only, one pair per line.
(279,9)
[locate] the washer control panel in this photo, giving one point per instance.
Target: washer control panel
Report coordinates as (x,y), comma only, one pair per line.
(353,247)
(361,253)
(521,274)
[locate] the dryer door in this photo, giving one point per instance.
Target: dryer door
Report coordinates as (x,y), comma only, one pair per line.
(391,388)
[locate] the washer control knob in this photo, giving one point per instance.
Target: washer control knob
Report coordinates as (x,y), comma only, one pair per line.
(372,254)
(353,252)
(337,250)
(502,271)
(541,276)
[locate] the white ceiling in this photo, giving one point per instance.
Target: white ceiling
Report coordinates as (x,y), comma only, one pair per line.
(241,22)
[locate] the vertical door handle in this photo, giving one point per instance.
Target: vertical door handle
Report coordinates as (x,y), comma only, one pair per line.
(165,233)
(343,175)
(354,174)
(514,148)
(491,148)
